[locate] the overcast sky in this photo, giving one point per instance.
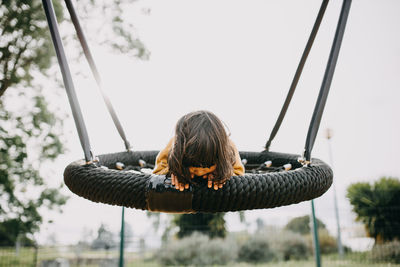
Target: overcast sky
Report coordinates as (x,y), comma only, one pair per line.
(237,58)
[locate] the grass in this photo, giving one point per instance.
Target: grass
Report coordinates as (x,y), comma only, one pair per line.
(351,260)
(26,257)
(324,263)
(9,257)
(309,263)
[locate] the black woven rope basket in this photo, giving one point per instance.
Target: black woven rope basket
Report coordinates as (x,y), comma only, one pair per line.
(104,183)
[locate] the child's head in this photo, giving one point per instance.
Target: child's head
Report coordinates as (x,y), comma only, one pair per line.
(201,141)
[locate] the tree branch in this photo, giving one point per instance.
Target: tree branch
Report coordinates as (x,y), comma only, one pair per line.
(7,78)
(6,82)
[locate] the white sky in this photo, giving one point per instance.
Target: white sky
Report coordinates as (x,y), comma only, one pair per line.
(237,58)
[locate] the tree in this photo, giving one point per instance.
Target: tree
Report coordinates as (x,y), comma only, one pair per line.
(301,225)
(25,44)
(209,224)
(86,238)
(377,205)
(260,224)
(128,235)
(30,129)
(22,185)
(116,31)
(104,240)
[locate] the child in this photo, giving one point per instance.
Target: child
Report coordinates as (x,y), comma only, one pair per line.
(200,147)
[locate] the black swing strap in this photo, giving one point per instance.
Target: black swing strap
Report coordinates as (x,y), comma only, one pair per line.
(326,82)
(69,85)
(297,75)
(95,72)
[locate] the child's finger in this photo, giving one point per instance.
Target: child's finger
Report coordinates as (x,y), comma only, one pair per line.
(215,186)
(192,175)
(172,179)
(176,183)
(220,185)
(186,186)
(209,183)
(181,187)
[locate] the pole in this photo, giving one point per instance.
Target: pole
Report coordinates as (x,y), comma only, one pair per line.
(315,235)
(326,82)
(121,245)
(35,255)
(92,65)
(18,244)
(297,75)
(339,239)
(67,78)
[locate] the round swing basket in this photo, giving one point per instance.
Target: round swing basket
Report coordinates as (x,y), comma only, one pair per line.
(103,182)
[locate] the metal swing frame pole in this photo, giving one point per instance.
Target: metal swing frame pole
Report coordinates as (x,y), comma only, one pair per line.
(319,108)
(326,82)
(95,72)
(122,239)
(339,238)
(69,86)
(67,78)
(297,75)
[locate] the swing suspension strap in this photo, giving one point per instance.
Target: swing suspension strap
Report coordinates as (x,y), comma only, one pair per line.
(69,85)
(326,82)
(297,75)
(95,72)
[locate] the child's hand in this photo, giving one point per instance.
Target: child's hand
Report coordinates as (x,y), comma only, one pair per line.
(178,186)
(217,184)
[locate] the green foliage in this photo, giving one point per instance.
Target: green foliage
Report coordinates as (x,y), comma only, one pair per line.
(378,207)
(26,46)
(301,225)
(327,243)
(9,231)
(289,245)
(25,43)
(30,136)
(117,32)
(211,224)
(285,245)
(197,250)
(26,138)
(387,252)
(256,249)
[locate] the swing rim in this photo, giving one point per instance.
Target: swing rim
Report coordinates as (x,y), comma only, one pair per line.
(102,182)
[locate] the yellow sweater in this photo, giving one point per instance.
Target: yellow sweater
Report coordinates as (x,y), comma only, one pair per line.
(161,167)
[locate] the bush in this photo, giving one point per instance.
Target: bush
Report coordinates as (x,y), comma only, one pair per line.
(197,250)
(387,252)
(291,246)
(271,243)
(256,249)
(327,243)
(216,251)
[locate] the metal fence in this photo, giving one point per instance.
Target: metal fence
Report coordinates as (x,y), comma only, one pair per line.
(386,254)
(60,256)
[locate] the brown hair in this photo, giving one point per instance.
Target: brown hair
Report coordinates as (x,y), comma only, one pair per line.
(201,141)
